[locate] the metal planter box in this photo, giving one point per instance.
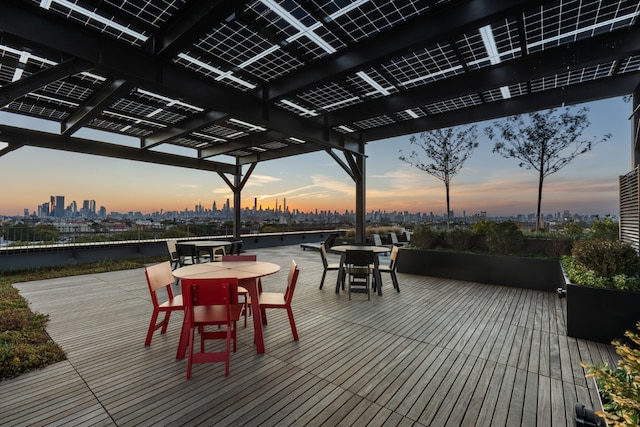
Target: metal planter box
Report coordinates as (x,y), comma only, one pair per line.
(520,272)
(601,315)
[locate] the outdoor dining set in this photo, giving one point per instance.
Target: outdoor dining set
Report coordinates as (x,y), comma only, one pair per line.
(219,288)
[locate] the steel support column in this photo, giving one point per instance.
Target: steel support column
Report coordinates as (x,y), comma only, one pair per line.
(635,128)
(237,189)
(236,186)
(361,197)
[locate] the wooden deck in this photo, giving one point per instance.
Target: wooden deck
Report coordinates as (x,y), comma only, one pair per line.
(441,353)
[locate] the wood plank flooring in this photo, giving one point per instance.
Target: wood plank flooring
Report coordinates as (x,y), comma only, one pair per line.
(441,353)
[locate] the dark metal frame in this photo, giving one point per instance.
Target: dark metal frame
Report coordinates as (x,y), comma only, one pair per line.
(152,66)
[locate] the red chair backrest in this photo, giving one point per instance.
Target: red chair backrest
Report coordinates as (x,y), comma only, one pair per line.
(158,276)
(207,292)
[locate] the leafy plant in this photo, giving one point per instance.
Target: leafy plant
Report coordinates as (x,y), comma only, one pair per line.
(505,238)
(460,239)
(579,274)
(607,258)
(573,231)
(424,237)
(482,227)
(556,246)
(605,229)
(620,387)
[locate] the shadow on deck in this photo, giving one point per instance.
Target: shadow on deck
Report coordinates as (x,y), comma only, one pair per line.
(441,352)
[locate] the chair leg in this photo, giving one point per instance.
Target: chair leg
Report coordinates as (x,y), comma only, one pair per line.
(324,273)
(165,322)
(395,281)
(234,336)
(190,355)
(245,309)
(152,327)
(294,331)
(226,361)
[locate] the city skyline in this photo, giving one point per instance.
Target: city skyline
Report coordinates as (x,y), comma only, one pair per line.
(89,208)
(487,182)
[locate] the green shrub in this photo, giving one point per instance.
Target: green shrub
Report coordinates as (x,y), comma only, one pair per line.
(619,386)
(482,227)
(460,239)
(424,237)
(505,238)
(605,229)
(176,231)
(579,274)
(607,258)
(574,231)
(556,246)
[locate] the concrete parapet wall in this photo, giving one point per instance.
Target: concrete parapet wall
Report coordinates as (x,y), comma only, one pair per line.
(26,257)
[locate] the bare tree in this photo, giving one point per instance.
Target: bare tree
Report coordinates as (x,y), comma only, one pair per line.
(544,141)
(447,149)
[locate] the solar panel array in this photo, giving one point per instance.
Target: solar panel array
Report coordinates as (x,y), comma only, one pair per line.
(356,70)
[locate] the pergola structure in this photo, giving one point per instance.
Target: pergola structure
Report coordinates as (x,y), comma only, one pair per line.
(240,82)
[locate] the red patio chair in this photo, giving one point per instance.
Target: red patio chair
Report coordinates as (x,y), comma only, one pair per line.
(282,300)
(160,276)
(211,302)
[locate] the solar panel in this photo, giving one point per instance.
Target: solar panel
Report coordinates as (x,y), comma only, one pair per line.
(310,73)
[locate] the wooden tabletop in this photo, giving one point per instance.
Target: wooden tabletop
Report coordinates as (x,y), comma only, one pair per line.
(204,243)
(376,249)
(223,269)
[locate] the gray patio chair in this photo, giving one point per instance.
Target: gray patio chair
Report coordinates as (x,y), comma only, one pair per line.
(391,268)
(326,265)
(358,269)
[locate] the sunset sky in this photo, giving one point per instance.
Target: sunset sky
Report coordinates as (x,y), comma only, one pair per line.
(487,182)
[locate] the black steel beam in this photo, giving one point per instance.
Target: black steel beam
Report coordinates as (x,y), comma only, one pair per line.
(568,95)
(9,148)
(419,32)
(129,63)
(252,140)
(597,50)
(182,128)
(33,138)
(94,106)
(292,150)
(192,21)
(26,85)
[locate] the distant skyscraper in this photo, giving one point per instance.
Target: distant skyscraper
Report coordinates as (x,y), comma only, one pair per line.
(59,207)
(43,210)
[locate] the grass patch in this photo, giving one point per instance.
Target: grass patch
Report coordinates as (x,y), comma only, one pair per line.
(24,343)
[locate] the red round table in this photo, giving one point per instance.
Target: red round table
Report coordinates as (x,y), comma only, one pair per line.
(247,273)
